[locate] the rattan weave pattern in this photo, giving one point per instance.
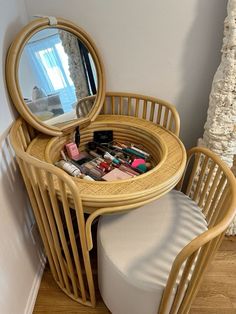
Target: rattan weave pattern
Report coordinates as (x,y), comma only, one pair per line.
(152,184)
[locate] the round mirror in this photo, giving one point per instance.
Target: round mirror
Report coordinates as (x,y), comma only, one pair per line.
(55,76)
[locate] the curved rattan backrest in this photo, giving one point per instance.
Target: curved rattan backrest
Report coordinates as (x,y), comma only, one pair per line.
(23,134)
(149,108)
(60,219)
(211,184)
(84,106)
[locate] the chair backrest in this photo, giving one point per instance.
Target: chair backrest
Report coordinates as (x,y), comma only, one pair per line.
(84,106)
(23,133)
(149,108)
(59,215)
(211,184)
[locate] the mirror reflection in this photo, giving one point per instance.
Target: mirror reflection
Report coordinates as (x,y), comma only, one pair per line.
(57,76)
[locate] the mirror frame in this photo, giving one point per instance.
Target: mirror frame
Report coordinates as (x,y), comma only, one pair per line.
(12,70)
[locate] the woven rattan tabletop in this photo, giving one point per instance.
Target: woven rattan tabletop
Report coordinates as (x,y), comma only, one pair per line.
(143,188)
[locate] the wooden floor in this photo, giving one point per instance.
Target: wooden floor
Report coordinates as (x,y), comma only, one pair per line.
(217,294)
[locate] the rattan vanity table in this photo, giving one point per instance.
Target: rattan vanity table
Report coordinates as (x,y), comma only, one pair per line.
(165,147)
(148,121)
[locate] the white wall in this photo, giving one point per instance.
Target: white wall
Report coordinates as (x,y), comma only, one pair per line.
(167,48)
(163,48)
(19,257)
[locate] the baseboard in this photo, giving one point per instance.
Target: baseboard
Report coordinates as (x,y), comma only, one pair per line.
(35,287)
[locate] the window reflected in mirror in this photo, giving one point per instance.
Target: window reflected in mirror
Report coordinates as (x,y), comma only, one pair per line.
(56,73)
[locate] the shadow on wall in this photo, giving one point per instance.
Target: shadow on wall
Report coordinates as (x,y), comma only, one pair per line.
(198,69)
(8,36)
(15,210)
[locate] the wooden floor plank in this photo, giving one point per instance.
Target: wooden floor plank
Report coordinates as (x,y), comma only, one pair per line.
(212,311)
(217,294)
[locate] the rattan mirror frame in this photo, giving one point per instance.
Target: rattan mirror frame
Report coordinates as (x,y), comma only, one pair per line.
(12,66)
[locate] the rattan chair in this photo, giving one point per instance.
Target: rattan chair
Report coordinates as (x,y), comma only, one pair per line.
(84,106)
(149,108)
(152,259)
(58,224)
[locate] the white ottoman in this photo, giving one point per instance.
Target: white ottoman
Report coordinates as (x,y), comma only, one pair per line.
(136,251)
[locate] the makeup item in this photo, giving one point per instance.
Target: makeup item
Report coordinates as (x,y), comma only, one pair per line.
(86,177)
(92,153)
(92,171)
(148,165)
(117,147)
(77,136)
(104,166)
(72,151)
(83,161)
(88,166)
(122,145)
(83,155)
(63,155)
(123,161)
(100,159)
(75,163)
(68,167)
(122,157)
(96,173)
(92,145)
(116,174)
(119,155)
(100,150)
(142,167)
(83,158)
(93,163)
(140,151)
(137,162)
(129,170)
(103,136)
(97,161)
(112,158)
(131,151)
(105,147)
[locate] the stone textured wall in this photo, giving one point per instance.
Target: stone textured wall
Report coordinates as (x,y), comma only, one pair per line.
(220,127)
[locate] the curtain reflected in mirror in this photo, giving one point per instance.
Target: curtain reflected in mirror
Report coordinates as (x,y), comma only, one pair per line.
(56,72)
